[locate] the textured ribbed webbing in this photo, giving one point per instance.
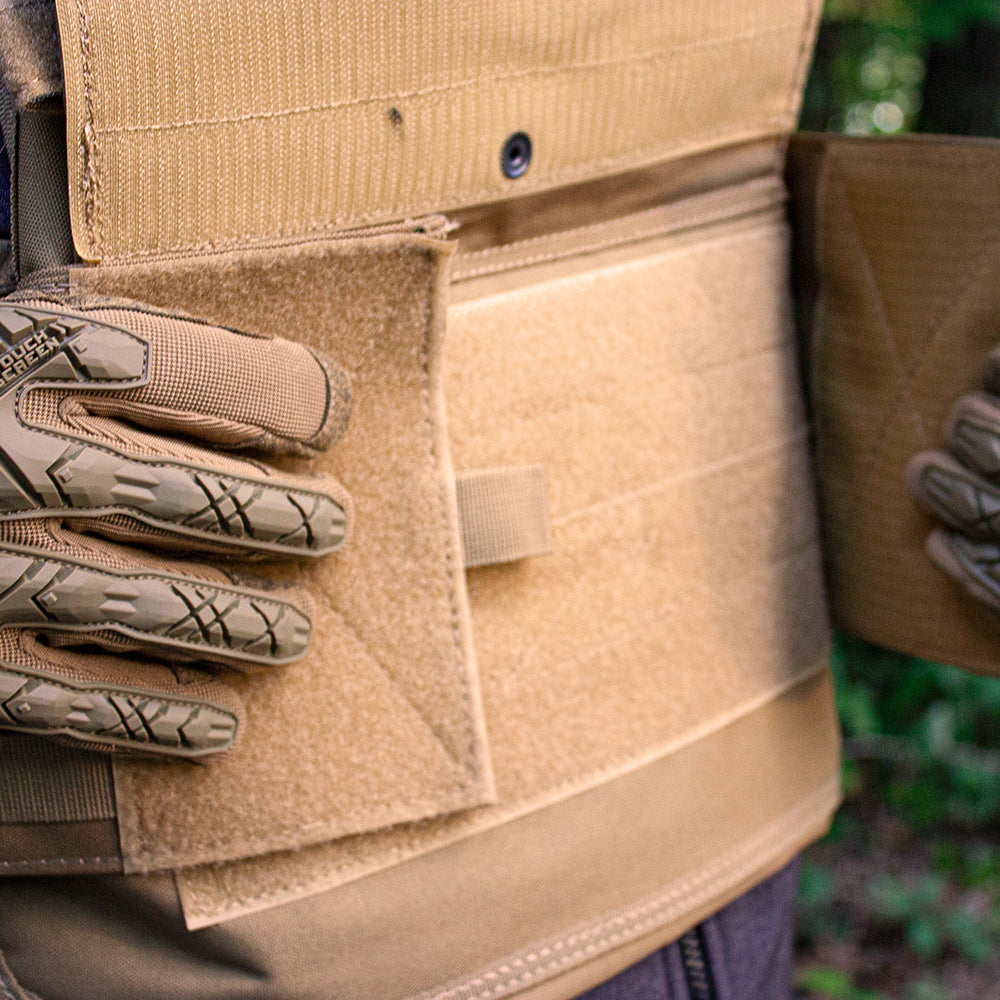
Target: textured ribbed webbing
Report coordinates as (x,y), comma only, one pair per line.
(504,515)
(44,783)
(195,125)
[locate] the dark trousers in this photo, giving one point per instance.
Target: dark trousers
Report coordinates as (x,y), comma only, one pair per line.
(743,952)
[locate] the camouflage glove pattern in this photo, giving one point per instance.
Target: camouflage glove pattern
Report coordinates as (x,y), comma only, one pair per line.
(961,487)
(107,509)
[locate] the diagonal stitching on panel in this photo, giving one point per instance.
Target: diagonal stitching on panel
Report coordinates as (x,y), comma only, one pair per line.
(397,685)
(903,377)
(906,376)
(904,393)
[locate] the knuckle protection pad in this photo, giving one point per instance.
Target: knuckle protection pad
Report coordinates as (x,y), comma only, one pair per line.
(195,618)
(958,485)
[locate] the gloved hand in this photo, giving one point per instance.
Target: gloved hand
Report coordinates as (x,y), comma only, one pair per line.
(961,486)
(86,477)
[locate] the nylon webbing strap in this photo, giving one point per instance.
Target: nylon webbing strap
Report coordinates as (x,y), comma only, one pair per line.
(41,782)
(504,514)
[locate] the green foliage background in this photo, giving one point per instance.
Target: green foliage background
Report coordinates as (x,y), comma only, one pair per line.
(902,899)
(930,65)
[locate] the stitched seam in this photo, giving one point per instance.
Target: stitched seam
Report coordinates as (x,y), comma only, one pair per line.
(487,79)
(390,856)
(378,819)
(664,228)
(412,848)
(443,509)
(636,217)
(643,917)
(458,798)
(426,411)
(710,207)
(652,489)
(904,392)
(59,861)
(88,142)
(398,687)
(646,492)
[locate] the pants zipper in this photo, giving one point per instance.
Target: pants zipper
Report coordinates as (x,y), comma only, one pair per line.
(697,971)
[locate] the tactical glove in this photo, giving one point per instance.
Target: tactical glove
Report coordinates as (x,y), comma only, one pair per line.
(961,487)
(98,409)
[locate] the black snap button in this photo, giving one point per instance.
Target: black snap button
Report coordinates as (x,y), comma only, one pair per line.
(516,154)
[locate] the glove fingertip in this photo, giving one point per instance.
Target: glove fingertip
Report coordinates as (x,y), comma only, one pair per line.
(340,402)
(915,470)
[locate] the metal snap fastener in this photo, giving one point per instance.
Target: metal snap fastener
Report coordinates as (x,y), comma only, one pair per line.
(515,155)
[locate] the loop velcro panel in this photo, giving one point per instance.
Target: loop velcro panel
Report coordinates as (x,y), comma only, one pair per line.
(381,721)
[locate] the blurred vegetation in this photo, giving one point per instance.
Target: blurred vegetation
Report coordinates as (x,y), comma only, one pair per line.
(902,898)
(887,66)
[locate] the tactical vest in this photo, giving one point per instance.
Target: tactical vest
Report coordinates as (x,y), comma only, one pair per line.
(567,692)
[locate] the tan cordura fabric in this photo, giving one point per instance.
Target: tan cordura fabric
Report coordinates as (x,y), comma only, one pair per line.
(654,698)
(296,117)
(906,246)
(589,884)
(699,678)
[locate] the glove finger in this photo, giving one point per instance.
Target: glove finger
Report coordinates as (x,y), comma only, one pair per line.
(960,497)
(105,703)
(209,382)
(236,506)
(165,613)
(973,433)
(992,371)
(57,457)
(975,565)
